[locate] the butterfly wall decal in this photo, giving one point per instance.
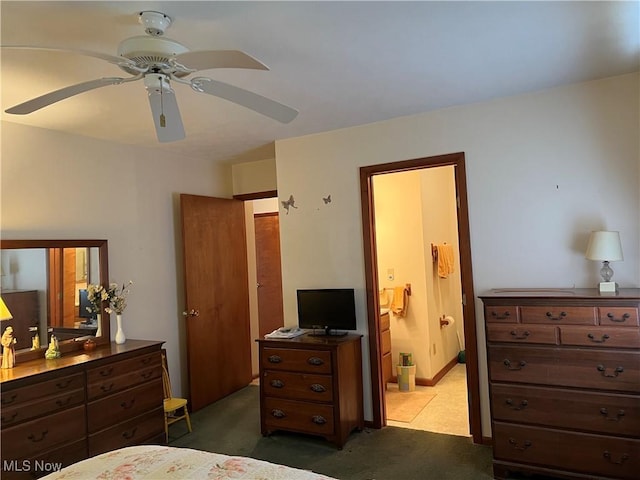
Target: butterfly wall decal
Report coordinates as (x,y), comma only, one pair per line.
(289,203)
(326,200)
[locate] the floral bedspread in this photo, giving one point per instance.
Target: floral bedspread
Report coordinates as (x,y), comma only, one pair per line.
(152,462)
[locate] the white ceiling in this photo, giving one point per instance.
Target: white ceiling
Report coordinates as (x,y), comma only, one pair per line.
(339,63)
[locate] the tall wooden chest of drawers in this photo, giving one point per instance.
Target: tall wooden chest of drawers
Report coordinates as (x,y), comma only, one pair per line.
(312,385)
(64,410)
(564,382)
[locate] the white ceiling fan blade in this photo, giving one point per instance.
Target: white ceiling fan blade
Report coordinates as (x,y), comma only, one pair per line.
(207,59)
(253,101)
(166,116)
(103,56)
(57,95)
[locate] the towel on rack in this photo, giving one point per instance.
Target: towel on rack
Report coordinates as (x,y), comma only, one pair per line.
(384,298)
(400,301)
(445,260)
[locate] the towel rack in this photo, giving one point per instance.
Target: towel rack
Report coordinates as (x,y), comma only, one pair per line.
(407,287)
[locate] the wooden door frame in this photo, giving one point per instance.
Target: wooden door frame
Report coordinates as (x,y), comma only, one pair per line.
(466,277)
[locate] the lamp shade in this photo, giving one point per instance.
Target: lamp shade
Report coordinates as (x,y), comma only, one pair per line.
(604,246)
(5,314)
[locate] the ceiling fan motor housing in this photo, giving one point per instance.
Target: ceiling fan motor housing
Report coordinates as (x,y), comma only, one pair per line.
(150,52)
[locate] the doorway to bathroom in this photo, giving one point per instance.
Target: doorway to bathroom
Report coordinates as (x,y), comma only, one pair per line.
(414,218)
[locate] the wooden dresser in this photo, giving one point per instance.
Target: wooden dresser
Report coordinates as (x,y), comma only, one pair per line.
(80,405)
(385,337)
(25,308)
(312,385)
(564,382)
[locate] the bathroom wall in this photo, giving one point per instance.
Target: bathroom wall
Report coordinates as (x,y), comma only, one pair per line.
(412,211)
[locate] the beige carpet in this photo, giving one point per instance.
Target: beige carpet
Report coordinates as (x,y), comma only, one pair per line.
(404,406)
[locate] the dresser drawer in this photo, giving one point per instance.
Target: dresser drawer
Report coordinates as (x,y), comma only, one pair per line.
(586,368)
(299,416)
(605,337)
(554,314)
(29,438)
(131,432)
(298,360)
(618,316)
(385,322)
(112,384)
(43,389)
(598,455)
(502,314)
(614,414)
(385,338)
(124,405)
(519,333)
(37,408)
(116,369)
(298,386)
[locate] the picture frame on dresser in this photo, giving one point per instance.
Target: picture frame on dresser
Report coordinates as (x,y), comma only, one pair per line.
(564,382)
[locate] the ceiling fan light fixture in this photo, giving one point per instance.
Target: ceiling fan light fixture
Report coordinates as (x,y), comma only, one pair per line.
(155,23)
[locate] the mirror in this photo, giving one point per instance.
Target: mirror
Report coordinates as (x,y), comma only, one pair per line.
(44,286)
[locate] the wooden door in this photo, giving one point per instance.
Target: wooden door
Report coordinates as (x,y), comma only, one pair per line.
(269,272)
(217,292)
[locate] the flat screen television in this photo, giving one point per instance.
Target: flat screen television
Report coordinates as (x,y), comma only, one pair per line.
(331,309)
(83,297)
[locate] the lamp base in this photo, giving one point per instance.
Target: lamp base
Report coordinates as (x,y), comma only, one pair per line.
(608,288)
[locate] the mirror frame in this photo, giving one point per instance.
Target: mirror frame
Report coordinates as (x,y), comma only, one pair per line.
(71,345)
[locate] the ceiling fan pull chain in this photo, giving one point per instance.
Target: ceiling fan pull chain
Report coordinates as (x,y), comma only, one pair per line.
(163,120)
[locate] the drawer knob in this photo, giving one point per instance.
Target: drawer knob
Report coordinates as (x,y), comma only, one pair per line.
(276,412)
(612,317)
(106,372)
(6,400)
(6,420)
(315,361)
(520,406)
(275,359)
(617,418)
(521,364)
(128,405)
(318,420)
(602,339)
(147,375)
(277,383)
(316,387)
(513,442)
(520,336)
(129,434)
(106,388)
(559,317)
(623,458)
(42,436)
(499,316)
(63,384)
(62,403)
(615,373)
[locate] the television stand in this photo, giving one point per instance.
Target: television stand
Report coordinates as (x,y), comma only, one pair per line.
(328,332)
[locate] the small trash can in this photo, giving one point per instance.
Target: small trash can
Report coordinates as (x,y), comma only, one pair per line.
(406,378)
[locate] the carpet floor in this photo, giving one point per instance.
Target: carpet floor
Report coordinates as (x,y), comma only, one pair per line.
(232,426)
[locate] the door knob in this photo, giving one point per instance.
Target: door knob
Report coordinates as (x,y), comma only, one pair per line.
(191,313)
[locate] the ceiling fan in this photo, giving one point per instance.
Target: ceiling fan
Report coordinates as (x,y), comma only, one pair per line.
(157,61)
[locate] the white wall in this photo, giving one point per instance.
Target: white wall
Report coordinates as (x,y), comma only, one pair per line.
(60,186)
(543,170)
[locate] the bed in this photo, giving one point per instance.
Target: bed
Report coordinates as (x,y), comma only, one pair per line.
(151,462)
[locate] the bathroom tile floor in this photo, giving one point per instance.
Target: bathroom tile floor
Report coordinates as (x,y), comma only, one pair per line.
(448,412)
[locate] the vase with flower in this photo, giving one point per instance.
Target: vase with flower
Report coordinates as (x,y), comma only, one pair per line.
(97,296)
(117,303)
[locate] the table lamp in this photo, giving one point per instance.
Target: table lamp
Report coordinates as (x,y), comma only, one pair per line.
(605,247)
(8,341)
